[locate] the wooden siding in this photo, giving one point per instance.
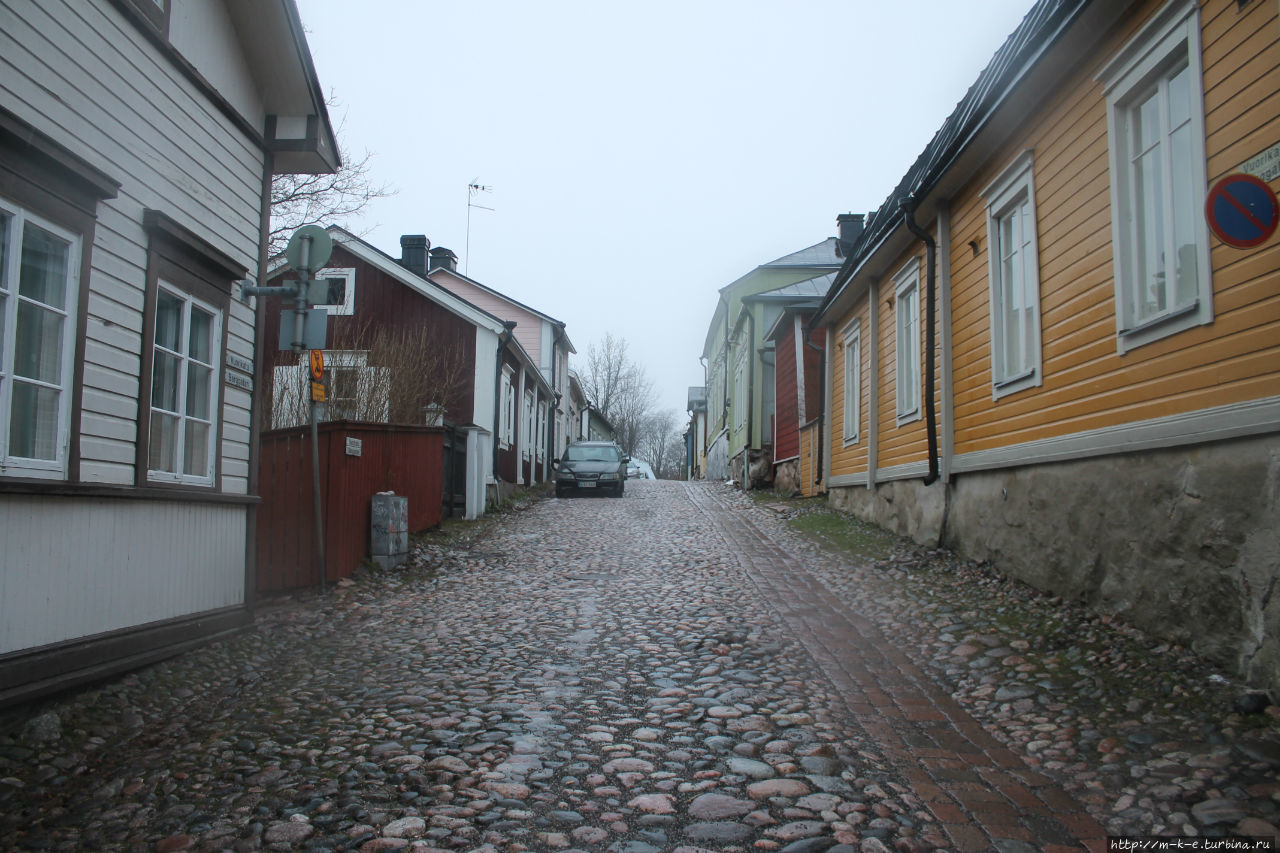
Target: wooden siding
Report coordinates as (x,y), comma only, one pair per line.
(810,442)
(852,458)
(129,563)
(79,71)
(382,302)
(528,329)
(1087,383)
(406,460)
(786,442)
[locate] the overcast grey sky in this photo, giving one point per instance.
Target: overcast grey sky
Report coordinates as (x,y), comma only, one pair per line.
(642,155)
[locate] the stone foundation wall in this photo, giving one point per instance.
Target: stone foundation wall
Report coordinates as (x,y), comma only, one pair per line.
(1182,543)
(907,507)
(786,477)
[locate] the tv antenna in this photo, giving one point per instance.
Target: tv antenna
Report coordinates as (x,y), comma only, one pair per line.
(472,188)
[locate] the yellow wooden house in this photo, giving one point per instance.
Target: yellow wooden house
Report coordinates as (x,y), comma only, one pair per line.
(1093,401)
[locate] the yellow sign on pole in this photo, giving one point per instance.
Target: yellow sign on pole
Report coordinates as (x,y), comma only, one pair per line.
(317,392)
(317,364)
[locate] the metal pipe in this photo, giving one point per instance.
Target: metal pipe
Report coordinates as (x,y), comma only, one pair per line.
(931,247)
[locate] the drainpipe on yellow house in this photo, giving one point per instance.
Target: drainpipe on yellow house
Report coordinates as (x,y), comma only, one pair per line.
(931,422)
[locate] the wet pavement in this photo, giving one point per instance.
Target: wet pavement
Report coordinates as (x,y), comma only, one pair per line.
(676,670)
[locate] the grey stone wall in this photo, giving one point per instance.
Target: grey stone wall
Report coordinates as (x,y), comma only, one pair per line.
(786,477)
(1183,543)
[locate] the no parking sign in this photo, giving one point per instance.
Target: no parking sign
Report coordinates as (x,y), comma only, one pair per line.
(1242,210)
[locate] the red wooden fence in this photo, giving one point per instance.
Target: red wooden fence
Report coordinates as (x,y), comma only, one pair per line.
(407,460)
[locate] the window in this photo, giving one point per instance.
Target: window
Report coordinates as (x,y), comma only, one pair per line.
(183,343)
(852,382)
(184,386)
(39,276)
(1155,131)
(506,431)
(542,430)
(1013,270)
(526,424)
(907,326)
(348,275)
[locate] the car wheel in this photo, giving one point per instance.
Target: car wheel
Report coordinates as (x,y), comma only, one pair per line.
(618,493)
(561,493)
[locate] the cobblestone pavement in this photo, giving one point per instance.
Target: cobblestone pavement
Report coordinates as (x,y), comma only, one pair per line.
(675,670)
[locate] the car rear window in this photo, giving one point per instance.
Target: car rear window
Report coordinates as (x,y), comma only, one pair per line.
(592,454)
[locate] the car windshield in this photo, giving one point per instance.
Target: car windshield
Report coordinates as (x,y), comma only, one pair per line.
(591,454)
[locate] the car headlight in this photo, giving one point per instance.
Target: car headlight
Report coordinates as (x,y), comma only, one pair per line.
(613,476)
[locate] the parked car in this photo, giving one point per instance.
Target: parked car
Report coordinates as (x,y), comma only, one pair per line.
(591,465)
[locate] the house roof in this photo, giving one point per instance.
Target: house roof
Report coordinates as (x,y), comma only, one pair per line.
(506,298)
(429,289)
(819,255)
(810,288)
(1012,63)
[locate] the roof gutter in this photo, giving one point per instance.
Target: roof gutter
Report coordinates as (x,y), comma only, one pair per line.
(931,249)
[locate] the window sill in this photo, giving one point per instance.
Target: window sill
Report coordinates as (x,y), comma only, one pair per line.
(1189,316)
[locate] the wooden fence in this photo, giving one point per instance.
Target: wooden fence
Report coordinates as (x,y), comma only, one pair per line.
(407,460)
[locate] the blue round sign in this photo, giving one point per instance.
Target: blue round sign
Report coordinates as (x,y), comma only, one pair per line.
(1242,210)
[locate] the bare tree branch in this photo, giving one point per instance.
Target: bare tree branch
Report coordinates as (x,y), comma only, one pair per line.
(298,200)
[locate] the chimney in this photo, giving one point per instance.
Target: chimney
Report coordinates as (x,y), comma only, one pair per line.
(442,258)
(850,227)
(413,253)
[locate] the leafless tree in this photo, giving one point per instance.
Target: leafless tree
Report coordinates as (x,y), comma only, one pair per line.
(376,374)
(662,445)
(619,388)
(298,200)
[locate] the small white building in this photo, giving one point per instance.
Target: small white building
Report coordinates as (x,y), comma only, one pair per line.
(138,140)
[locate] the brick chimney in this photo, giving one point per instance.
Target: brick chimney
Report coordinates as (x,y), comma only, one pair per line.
(442,258)
(413,253)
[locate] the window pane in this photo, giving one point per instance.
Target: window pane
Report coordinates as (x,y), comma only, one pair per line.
(1148,208)
(201,339)
(1146,123)
(163,452)
(1180,98)
(169,322)
(37,353)
(44,267)
(33,424)
(196,455)
(164,381)
(198,380)
(1185,213)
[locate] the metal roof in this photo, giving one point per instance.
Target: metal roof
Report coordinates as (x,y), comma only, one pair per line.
(808,289)
(822,254)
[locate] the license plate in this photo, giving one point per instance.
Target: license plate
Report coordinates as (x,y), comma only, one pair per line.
(586,485)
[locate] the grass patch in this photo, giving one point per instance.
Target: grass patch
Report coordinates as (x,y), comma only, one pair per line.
(842,532)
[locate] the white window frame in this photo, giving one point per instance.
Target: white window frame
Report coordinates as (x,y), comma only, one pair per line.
(1009,195)
(215,383)
(526,424)
(347,308)
(506,427)
(20,466)
(852,382)
(1171,37)
(906,283)
(541,449)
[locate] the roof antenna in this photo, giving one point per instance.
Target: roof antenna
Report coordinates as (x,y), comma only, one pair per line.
(472,188)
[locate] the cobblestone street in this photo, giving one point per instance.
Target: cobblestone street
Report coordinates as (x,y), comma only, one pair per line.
(676,670)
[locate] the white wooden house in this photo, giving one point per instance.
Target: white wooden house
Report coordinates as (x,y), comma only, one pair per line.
(138,139)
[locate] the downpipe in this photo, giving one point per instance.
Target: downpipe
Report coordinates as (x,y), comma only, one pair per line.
(908,207)
(822,402)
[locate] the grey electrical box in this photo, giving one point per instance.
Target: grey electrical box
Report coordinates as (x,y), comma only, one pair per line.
(389,529)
